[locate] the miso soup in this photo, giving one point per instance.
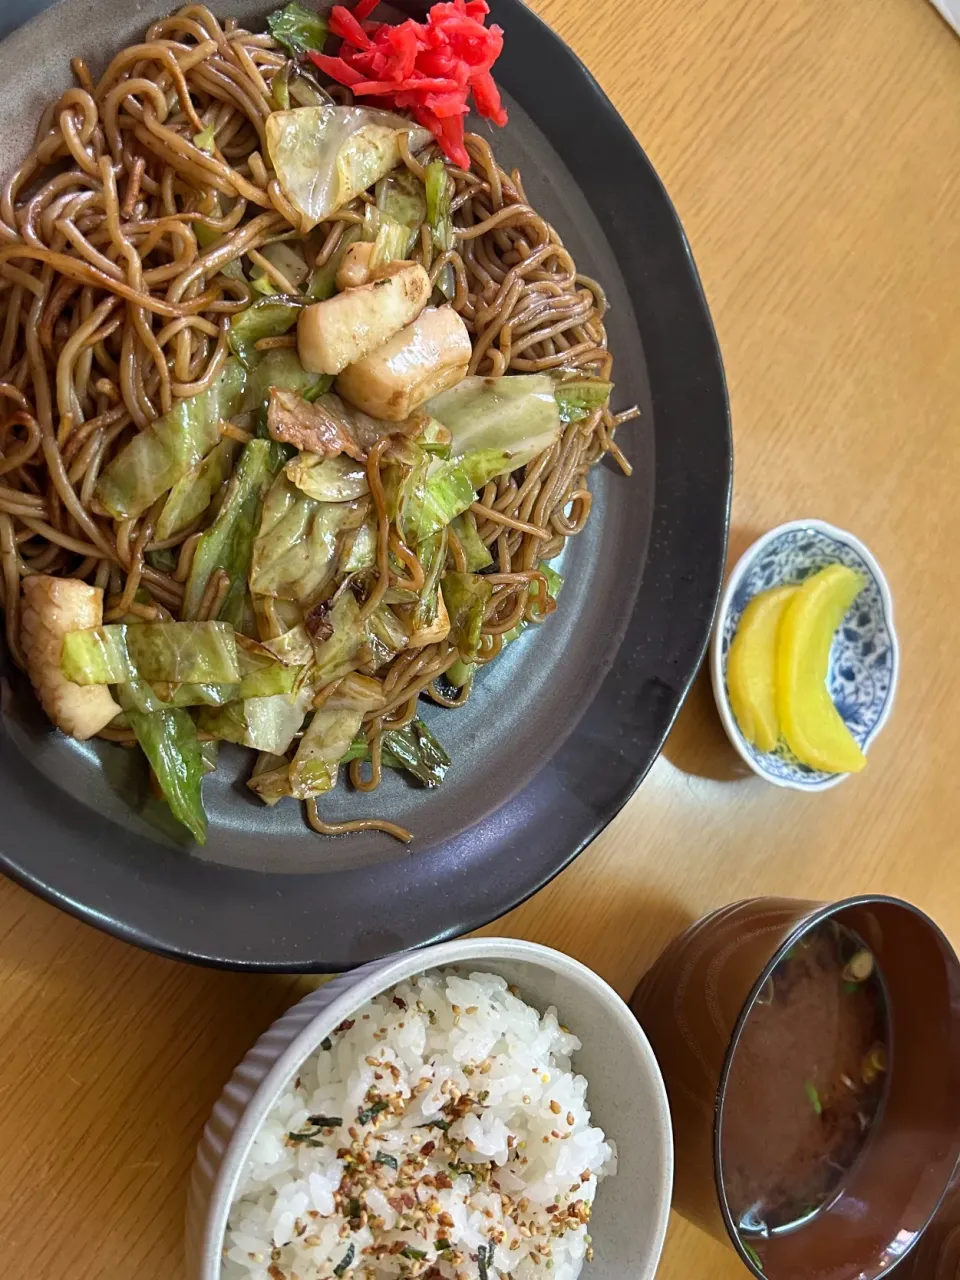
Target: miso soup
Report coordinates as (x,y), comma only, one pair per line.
(806,1083)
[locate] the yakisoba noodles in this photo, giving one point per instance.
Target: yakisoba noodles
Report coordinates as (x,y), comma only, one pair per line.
(176,450)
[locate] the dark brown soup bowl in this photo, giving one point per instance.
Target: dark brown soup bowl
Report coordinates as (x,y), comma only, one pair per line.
(693,1005)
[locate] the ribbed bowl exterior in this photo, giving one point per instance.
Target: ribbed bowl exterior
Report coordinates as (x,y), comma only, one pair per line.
(630,1217)
(236,1097)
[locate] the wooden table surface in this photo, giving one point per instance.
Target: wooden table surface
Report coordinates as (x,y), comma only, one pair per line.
(813,151)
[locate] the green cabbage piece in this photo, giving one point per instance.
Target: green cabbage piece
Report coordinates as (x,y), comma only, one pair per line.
(206,139)
(297,28)
(461,672)
(324,156)
(517,416)
(432,554)
(435,438)
(281,368)
(323,282)
(415,749)
(271,778)
(269,679)
(262,673)
(295,85)
(338,479)
(431,493)
(328,738)
(466,596)
(497,425)
(362,553)
(265,724)
(295,552)
(194,492)
(136,694)
(191,695)
(412,749)
(580,397)
(338,654)
(293,647)
(386,635)
(401,197)
(155,459)
(169,741)
(209,753)
(391,243)
(439,192)
(228,543)
(175,652)
(266,318)
(476,552)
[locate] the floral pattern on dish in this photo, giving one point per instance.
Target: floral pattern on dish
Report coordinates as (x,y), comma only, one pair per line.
(863,658)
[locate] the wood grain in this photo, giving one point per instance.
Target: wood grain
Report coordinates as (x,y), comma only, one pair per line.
(813,151)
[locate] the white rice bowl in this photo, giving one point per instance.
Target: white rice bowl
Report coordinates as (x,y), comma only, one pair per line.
(439,1132)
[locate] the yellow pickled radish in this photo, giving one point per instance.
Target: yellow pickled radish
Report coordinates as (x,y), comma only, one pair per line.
(811,724)
(751,667)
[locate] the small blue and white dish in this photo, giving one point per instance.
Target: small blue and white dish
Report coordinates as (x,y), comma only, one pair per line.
(864,658)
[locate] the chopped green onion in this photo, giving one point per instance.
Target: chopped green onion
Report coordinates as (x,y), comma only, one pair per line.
(811,1092)
(345,1262)
(384,1157)
(305,1139)
(752,1254)
(205,140)
(368,1113)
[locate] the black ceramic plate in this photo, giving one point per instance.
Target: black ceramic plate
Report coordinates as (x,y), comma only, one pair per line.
(558,733)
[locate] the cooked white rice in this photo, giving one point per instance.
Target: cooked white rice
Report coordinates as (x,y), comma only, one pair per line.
(440,1133)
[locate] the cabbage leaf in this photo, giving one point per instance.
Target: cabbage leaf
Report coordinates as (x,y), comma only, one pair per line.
(281,368)
(169,741)
(324,156)
(517,416)
(266,318)
(477,554)
(466,596)
(193,493)
(580,397)
(295,551)
(401,198)
(175,652)
(496,426)
(265,724)
(432,554)
(439,192)
(155,459)
(298,28)
(338,654)
(228,543)
(412,749)
(337,479)
(328,738)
